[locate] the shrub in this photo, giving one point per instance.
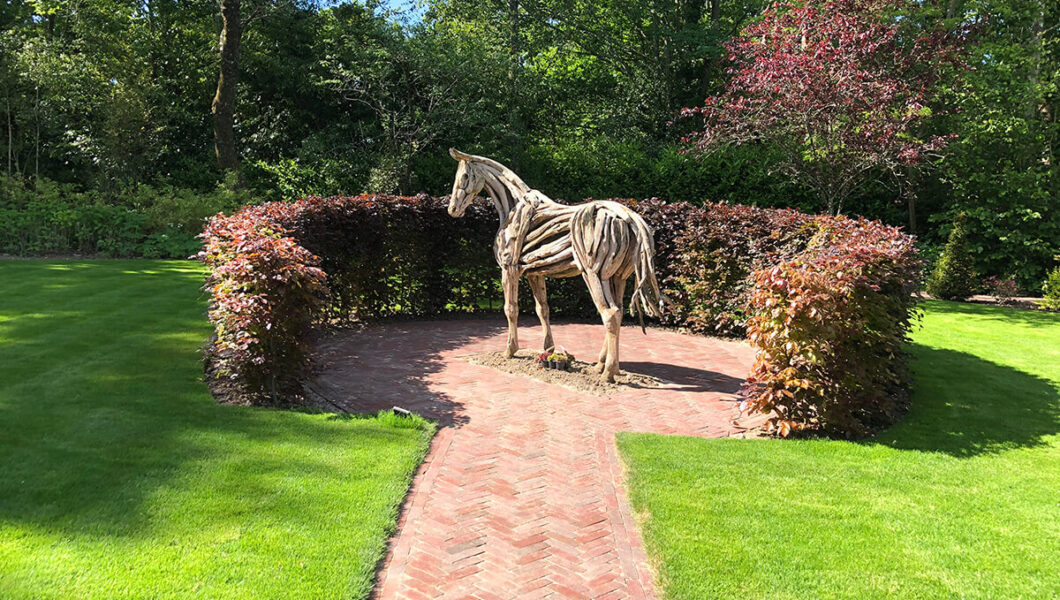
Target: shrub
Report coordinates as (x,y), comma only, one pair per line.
(601,167)
(829,328)
(169,209)
(51,218)
(954,275)
(1003,290)
(1051,290)
(171,243)
(293,178)
(1011,204)
(826,300)
(265,290)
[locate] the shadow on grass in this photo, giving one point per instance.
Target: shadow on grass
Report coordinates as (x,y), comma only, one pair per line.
(102,406)
(965,406)
(1003,314)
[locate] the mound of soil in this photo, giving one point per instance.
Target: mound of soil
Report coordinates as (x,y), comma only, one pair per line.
(582,376)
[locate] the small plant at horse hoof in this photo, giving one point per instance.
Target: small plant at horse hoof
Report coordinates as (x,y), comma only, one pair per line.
(560,360)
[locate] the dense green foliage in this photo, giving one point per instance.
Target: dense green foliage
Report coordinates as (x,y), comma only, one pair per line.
(122,478)
(578,96)
(150,221)
(953,277)
(1051,290)
(827,300)
(1002,170)
(956,501)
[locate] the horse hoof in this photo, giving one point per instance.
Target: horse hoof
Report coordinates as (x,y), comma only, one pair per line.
(599,368)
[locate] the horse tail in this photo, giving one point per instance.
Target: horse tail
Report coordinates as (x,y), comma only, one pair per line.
(647,297)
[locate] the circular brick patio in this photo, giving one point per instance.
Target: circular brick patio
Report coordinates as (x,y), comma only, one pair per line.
(521,495)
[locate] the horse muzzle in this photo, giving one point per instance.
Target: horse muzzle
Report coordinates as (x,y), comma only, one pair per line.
(457,204)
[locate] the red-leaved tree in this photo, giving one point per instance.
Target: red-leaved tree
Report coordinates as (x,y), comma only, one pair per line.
(841,87)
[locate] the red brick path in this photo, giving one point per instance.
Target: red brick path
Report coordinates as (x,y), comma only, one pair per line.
(522,493)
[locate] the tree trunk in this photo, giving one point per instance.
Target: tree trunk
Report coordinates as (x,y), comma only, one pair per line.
(514,121)
(951,8)
(711,65)
(910,198)
(224,101)
(10,139)
(1034,76)
(912,213)
(828,200)
(36,136)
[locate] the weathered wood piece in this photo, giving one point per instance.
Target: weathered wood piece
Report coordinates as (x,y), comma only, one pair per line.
(604,242)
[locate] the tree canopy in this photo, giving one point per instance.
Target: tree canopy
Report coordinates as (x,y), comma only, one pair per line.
(583,98)
(843,89)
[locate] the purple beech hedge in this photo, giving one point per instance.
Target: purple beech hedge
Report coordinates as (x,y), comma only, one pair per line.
(825,301)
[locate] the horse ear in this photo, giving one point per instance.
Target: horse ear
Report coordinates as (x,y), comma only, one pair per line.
(458,155)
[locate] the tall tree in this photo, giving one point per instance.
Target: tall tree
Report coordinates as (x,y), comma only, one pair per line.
(840,86)
(224,101)
(1003,171)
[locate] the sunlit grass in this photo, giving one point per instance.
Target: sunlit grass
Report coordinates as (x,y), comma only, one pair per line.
(960,500)
(121,477)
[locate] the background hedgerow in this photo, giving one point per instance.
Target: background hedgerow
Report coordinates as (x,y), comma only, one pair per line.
(161,221)
(706,255)
(826,301)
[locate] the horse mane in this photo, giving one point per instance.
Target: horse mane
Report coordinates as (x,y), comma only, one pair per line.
(501,171)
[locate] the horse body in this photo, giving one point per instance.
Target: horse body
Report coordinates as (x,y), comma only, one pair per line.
(604,242)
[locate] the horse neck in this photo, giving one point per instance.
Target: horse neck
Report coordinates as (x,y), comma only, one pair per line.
(507,191)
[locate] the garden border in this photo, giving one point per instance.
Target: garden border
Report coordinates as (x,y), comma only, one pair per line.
(826,301)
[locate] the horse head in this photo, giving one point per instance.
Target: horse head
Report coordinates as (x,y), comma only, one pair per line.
(466,186)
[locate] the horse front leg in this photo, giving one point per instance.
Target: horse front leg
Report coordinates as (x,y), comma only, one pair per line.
(603,355)
(537,285)
(612,318)
(510,282)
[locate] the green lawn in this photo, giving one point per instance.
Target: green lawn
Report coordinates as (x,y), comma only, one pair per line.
(960,500)
(120,477)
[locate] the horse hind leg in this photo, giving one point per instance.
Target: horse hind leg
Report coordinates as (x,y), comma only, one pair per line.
(603,294)
(602,360)
(537,286)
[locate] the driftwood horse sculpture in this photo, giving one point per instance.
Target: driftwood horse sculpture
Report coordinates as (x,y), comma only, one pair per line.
(605,242)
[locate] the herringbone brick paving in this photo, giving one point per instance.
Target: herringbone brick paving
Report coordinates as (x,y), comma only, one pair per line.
(521,495)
